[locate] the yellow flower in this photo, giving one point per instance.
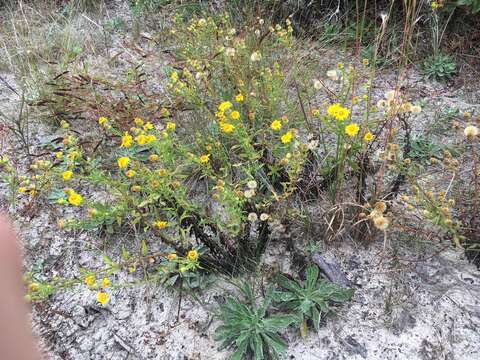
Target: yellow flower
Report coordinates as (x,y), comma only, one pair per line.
(90,280)
(127,140)
(59,155)
(239,98)
(365,62)
(103,298)
(205,158)
(141,139)
(192,255)
(338,112)
(355,100)
(287,137)
(150,138)
(172,257)
(352,129)
(102,120)
(105,282)
(171,126)
(75,199)
(160,224)
(67,175)
(130,173)
(138,121)
(123,162)
(276,125)
(224,106)
(235,115)
(368,136)
(153,157)
(148,126)
(174,77)
(22,190)
(136,188)
(227,128)
(73,155)
(162,172)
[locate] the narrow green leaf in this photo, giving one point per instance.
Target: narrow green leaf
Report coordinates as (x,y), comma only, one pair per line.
(279,322)
(312,276)
(257,346)
(288,284)
(316,318)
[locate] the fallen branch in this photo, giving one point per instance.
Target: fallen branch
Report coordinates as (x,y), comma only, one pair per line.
(332,271)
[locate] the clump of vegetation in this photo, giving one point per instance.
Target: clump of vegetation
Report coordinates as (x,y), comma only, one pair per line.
(254,329)
(243,138)
(439,67)
(217,164)
(250,329)
(310,300)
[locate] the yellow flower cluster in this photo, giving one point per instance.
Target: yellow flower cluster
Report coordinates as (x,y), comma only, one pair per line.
(226,115)
(338,112)
(102,296)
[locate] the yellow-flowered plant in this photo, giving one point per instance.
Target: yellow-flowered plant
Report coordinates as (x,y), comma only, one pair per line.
(171,267)
(236,148)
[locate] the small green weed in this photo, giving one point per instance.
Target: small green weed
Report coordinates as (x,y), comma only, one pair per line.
(309,300)
(250,329)
(423,149)
(440,67)
(115,24)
